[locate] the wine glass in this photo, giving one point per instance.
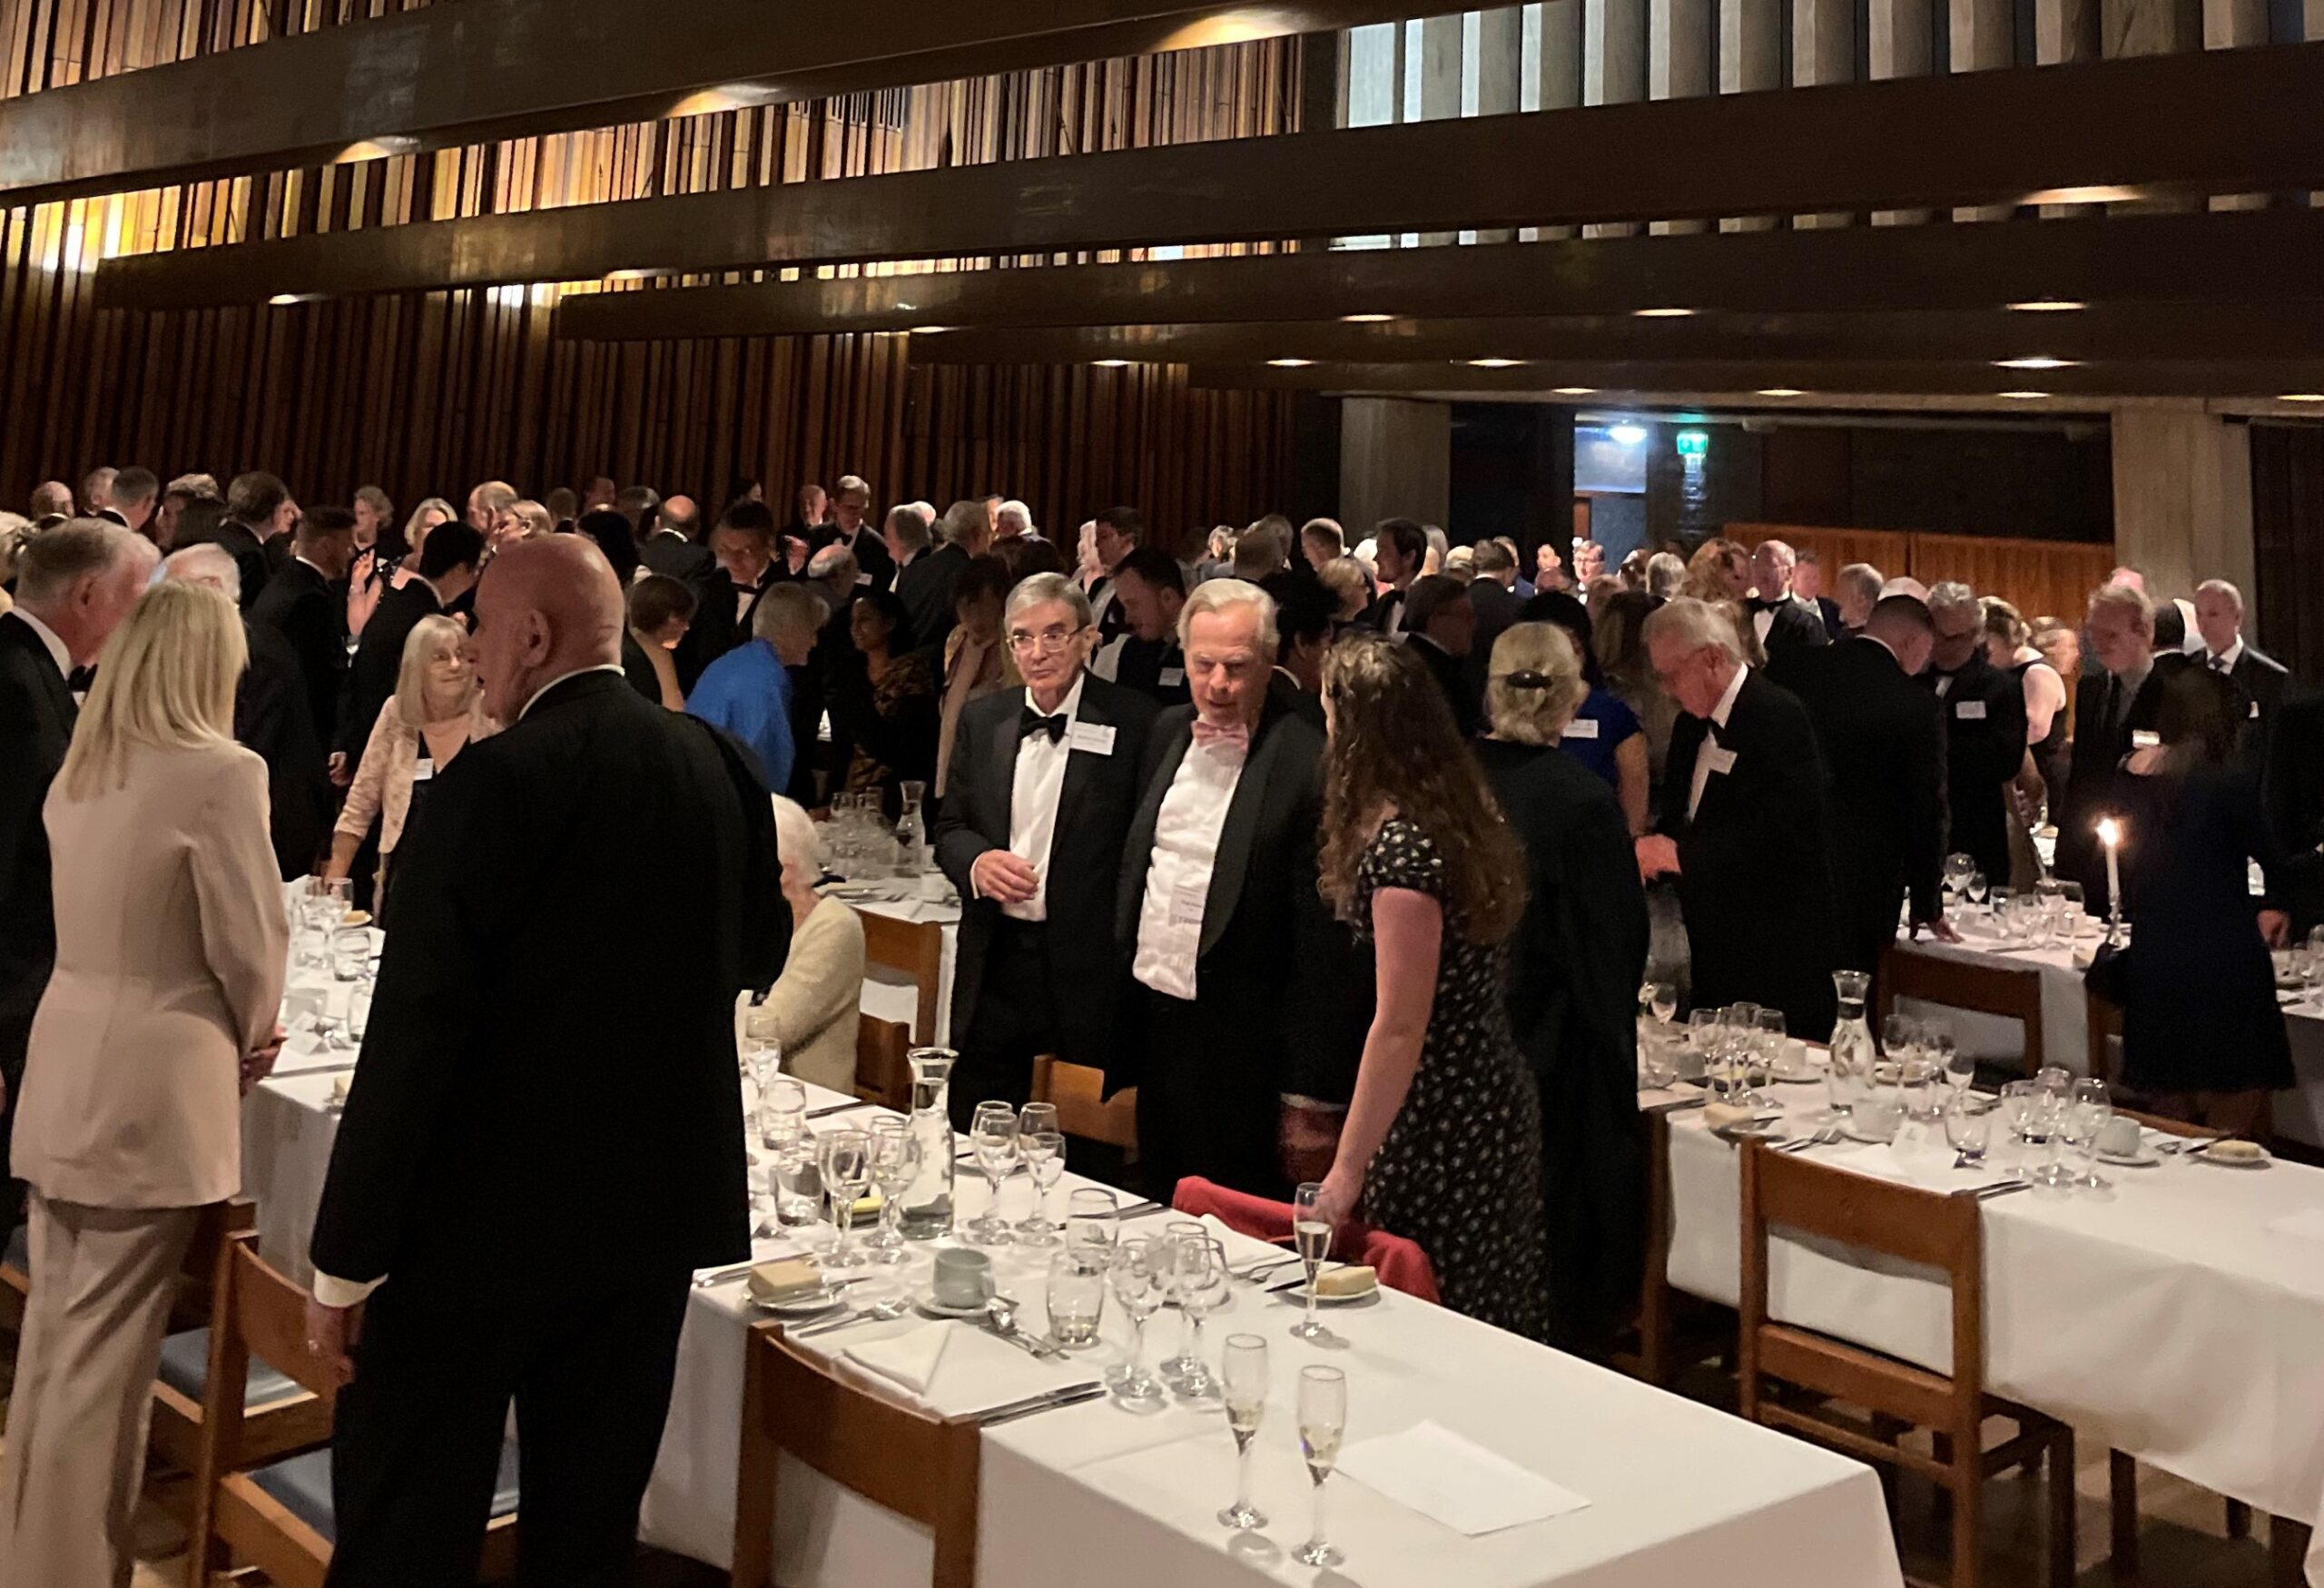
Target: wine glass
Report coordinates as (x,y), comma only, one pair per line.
(845,1158)
(993,1137)
(1322,1418)
(2087,1115)
(1958,870)
(1090,1224)
(1243,1374)
(1203,1280)
(1137,1275)
(1958,1068)
(1313,1234)
(1968,1127)
(1978,886)
(1175,1234)
(1774,1036)
(895,1159)
(359,1010)
(1041,1145)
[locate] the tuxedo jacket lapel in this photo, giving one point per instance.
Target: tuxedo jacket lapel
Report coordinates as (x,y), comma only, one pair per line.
(1002,770)
(1082,767)
(1235,838)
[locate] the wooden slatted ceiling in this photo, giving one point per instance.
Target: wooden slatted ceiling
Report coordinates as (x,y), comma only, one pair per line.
(425,393)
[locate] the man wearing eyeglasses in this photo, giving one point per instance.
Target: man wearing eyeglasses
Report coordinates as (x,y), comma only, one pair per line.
(1037,808)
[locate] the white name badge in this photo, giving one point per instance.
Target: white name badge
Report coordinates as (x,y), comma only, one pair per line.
(1185,904)
(2254,713)
(1098,738)
(422,770)
(2145,739)
(1969,711)
(863,578)
(1171,678)
(1581,727)
(1721,761)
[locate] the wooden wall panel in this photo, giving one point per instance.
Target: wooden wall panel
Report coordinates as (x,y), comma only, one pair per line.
(426,393)
(2039,578)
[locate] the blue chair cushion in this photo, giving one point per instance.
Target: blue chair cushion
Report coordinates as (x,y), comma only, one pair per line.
(20,1248)
(302,1484)
(186,1367)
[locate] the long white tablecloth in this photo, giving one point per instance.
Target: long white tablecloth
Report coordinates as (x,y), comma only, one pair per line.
(2065,1026)
(2173,1314)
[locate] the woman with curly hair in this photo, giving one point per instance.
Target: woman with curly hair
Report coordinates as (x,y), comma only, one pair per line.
(1417,857)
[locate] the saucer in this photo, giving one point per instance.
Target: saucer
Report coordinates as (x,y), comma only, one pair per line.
(935,1308)
(802,1305)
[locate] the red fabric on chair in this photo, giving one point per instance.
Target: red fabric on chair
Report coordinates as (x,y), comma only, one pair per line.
(1400,1263)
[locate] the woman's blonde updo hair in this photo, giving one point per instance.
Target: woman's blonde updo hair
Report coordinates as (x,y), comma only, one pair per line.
(1535,685)
(166,678)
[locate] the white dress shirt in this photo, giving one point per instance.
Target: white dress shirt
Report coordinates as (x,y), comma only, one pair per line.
(1033,796)
(1186,830)
(1718,716)
(2224,661)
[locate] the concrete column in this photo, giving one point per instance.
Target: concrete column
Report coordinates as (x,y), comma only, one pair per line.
(1501,75)
(1750,58)
(1561,66)
(1440,87)
(1678,65)
(1614,53)
(2064,31)
(1900,44)
(1395,459)
(2183,496)
(1823,51)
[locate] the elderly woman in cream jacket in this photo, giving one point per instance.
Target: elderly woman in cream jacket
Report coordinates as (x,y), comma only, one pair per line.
(814,1007)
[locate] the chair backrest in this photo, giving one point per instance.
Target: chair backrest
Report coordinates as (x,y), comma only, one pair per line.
(922,1467)
(1082,1109)
(1996,990)
(2104,1022)
(1787,1191)
(218,1224)
(883,1073)
(916,947)
(255,1310)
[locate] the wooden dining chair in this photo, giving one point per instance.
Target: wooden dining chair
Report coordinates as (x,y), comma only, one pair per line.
(1082,1109)
(921,1467)
(261,1509)
(1994,990)
(883,1073)
(1787,1191)
(916,948)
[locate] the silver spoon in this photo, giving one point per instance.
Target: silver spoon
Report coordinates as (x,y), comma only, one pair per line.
(1000,1318)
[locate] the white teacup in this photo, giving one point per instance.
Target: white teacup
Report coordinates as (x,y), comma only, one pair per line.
(1876,1118)
(963,1278)
(2119,1138)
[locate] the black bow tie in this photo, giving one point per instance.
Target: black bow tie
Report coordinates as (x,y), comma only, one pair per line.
(80,680)
(1762,604)
(1030,722)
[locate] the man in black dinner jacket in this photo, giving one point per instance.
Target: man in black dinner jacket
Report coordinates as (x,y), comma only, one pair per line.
(75,581)
(1783,621)
(1985,730)
(447,572)
(2260,681)
(1242,1070)
(2116,710)
(1743,825)
(1882,735)
(1037,802)
(305,603)
(534,1069)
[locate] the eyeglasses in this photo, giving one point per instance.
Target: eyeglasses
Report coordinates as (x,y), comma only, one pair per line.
(1049,642)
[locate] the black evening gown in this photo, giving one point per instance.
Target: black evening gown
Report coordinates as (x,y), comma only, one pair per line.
(2199,990)
(1460,1169)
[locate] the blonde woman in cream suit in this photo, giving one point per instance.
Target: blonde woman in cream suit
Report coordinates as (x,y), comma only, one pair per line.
(171,947)
(815,1006)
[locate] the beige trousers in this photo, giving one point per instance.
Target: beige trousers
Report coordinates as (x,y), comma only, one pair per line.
(103,1279)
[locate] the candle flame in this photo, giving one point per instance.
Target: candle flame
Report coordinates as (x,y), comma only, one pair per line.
(2110,832)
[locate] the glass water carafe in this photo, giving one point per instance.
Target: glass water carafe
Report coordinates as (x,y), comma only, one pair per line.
(1853,1055)
(928,1195)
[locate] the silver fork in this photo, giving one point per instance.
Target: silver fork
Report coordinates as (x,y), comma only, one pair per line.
(1823,1137)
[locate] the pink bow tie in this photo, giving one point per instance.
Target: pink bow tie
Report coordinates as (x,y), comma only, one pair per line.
(1212,734)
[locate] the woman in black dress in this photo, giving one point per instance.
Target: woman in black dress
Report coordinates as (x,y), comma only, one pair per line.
(2201,1032)
(1443,1139)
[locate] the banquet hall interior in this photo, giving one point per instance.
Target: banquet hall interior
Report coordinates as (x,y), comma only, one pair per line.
(1540,787)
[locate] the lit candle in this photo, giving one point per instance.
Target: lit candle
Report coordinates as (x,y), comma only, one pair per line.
(2109,833)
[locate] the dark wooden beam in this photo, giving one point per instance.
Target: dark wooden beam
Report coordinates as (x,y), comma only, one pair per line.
(2253,255)
(2216,332)
(1808,378)
(2214,121)
(484,69)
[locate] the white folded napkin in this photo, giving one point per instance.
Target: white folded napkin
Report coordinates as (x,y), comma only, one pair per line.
(909,1359)
(1430,1469)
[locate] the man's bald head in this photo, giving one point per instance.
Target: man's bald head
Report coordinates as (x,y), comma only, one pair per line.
(544,608)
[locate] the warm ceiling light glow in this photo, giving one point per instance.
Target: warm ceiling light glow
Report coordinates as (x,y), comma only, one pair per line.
(2024,396)
(2048,306)
(1662,313)
(2302,397)
(1575,391)
(1781,391)
(1628,435)
(929,330)
(1291,364)
(1494,363)
(1365,318)
(284,300)
(2037,361)
(374,149)
(1112,363)
(2085,195)
(630,275)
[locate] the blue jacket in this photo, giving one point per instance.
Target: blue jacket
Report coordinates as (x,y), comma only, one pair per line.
(747,692)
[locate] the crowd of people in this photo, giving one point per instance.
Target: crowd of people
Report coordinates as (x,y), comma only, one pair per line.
(1350,857)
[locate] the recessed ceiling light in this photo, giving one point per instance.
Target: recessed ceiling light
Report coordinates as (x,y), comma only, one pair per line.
(2024,396)
(2048,306)
(1494,363)
(1575,391)
(2302,397)
(1662,313)
(283,300)
(929,330)
(1781,391)
(2037,361)
(1112,363)
(1365,318)
(1628,434)
(2084,196)
(1291,364)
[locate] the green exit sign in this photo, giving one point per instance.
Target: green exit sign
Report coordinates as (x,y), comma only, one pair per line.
(1692,443)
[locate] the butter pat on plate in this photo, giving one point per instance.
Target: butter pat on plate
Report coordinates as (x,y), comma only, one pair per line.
(786,1279)
(1347,1283)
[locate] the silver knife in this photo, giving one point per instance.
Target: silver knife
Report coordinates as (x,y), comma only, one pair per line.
(1071,1394)
(830,1109)
(1137,1210)
(2004,1189)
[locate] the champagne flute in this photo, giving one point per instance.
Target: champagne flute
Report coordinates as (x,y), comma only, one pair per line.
(846,1162)
(895,1159)
(1042,1144)
(1243,1373)
(992,1134)
(1313,1234)
(1322,1418)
